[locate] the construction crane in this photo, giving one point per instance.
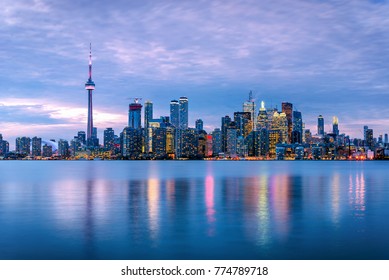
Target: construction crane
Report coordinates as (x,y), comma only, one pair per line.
(136,99)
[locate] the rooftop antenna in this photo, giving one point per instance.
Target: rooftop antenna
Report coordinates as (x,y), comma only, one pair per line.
(251,96)
(90,61)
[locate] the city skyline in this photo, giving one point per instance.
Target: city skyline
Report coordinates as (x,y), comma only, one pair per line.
(329,62)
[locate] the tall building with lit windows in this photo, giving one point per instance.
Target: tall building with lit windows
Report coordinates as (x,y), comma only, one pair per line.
(170,140)
(320,125)
(262,118)
(287,108)
(224,125)
(280,123)
(4,146)
(63,148)
(262,142)
(249,106)
(369,138)
(47,150)
(131,142)
(82,137)
(232,141)
(175,113)
(159,141)
(134,115)
(216,141)
(199,124)
(297,127)
(274,139)
(183,115)
(36,147)
(243,123)
(148,113)
(109,139)
(23,145)
(190,142)
(335,125)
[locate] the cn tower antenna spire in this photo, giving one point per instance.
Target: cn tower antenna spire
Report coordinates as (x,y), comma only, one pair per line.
(90,61)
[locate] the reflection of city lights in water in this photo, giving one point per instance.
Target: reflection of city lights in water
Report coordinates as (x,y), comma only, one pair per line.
(68,200)
(357,193)
(210,202)
(280,195)
(153,206)
(170,190)
(263,212)
(335,202)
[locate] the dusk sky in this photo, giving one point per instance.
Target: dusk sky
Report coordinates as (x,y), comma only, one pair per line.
(325,57)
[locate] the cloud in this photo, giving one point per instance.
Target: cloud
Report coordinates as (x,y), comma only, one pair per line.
(47,118)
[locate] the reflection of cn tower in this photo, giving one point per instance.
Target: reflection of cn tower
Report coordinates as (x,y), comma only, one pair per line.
(90,86)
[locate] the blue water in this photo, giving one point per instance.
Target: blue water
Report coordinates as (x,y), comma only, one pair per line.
(194,210)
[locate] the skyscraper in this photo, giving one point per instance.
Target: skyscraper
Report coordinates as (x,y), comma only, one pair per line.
(216,141)
(232,141)
(262,142)
(190,142)
(243,123)
(90,86)
(63,148)
(174,113)
(36,147)
(4,146)
(47,150)
(364,132)
(131,142)
(23,145)
(109,138)
(249,106)
(75,146)
(280,123)
(370,138)
(209,144)
(81,137)
(134,114)
(199,124)
(297,126)
(94,141)
(225,124)
(159,141)
(183,116)
(1,145)
(262,119)
(274,139)
(170,132)
(148,113)
(335,125)
(320,125)
(287,108)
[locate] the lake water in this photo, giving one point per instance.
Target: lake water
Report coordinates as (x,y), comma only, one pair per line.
(194,210)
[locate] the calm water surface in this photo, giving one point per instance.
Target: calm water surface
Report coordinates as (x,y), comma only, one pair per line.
(194,210)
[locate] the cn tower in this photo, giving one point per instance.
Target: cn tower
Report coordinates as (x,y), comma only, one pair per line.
(90,86)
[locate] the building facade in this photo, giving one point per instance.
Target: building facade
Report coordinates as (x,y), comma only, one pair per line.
(134,115)
(320,125)
(287,108)
(36,147)
(183,114)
